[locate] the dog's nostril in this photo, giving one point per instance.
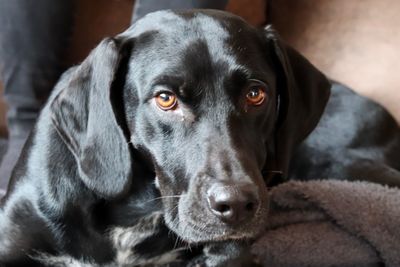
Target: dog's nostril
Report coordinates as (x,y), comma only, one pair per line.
(223,208)
(233,204)
(250,206)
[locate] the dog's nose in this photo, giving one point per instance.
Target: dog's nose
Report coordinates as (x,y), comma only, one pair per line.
(233,203)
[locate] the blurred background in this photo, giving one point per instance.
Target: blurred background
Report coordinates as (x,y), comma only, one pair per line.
(353,42)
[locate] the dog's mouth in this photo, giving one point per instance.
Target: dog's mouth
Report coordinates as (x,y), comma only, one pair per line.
(195,224)
(211,210)
(192,232)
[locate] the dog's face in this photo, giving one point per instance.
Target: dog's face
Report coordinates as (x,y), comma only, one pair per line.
(211,102)
(204,99)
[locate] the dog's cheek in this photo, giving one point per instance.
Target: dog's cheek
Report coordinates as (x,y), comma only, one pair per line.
(170,200)
(145,130)
(165,188)
(170,183)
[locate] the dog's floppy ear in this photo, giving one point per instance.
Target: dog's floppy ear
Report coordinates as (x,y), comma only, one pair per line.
(83,116)
(303,92)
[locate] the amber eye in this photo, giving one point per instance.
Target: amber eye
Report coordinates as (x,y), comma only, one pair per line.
(166,100)
(256,95)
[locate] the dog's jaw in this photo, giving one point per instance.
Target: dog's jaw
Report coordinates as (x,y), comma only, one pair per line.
(210,229)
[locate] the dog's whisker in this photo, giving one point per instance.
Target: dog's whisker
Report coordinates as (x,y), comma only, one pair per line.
(178,241)
(189,247)
(162,197)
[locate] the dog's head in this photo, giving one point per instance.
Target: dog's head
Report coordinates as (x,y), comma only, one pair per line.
(208,100)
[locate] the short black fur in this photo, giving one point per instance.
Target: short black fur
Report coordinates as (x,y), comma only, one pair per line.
(110,179)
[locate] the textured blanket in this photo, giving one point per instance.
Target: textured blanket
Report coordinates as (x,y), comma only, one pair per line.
(332,223)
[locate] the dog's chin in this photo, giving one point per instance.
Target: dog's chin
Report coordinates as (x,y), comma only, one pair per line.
(191,232)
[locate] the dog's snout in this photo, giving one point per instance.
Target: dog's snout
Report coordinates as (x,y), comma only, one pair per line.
(233,203)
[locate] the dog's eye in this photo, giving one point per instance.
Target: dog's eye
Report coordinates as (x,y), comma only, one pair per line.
(166,100)
(256,95)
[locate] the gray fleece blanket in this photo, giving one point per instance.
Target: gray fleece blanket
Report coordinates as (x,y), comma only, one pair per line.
(331,223)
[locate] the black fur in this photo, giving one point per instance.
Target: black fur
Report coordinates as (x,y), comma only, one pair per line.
(109,179)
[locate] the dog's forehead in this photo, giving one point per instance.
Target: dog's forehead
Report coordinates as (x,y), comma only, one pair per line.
(210,23)
(222,32)
(206,39)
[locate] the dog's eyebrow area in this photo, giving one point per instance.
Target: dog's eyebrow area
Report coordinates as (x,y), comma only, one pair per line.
(165,82)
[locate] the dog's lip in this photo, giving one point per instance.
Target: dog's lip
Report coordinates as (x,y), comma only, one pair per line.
(192,231)
(231,235)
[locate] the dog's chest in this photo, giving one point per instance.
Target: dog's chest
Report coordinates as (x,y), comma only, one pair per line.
(136,245)
(133,246)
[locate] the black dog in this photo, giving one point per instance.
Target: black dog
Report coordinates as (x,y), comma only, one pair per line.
(155,149)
